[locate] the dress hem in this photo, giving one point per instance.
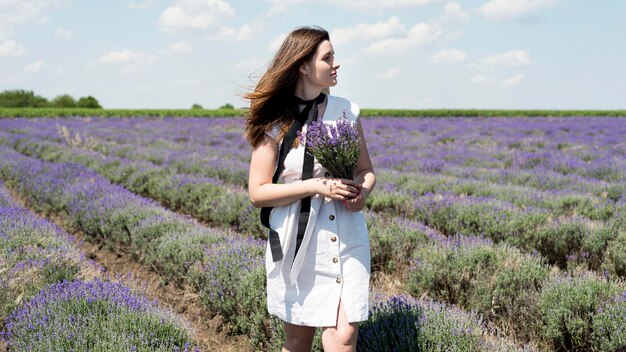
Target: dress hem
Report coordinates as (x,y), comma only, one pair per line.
(312,324)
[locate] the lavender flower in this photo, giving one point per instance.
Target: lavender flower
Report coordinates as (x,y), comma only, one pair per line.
(336,147)
(98,315)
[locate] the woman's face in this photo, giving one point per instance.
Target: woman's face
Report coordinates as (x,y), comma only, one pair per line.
(321,70)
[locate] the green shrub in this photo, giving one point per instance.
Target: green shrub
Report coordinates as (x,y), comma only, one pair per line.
(251,315)
(394,202)
(218,278)
(558,239)
(404,324)
(615,255)
(178,251)
(248,222)
(393,240)
(609,322)
(496,281)
(567,306)
(148,233)
(594,248)
(453,269)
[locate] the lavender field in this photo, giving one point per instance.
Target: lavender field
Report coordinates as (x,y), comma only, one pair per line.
(507,233)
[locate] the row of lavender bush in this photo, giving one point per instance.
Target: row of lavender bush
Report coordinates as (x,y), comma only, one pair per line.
(46,306)
(473,219)
(227,273)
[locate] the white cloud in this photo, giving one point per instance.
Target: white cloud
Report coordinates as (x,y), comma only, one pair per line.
(132,61)
(18,12)
(11,48)
(389,74)
(513,81)
(181,47)
(420,35)
(448,56)
(195,15)
(510,58)
(64,33)
(34,67)
(453,11)
(367,32)
(505,10)
(483,80)
(14,12)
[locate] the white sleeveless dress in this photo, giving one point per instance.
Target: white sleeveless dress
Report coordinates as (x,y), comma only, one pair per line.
(333,261)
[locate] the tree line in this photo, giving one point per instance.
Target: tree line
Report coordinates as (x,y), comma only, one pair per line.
(28,99)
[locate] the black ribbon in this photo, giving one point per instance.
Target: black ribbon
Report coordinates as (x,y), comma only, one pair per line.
(306,116)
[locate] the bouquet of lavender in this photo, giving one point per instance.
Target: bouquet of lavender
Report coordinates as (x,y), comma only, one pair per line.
(336,147)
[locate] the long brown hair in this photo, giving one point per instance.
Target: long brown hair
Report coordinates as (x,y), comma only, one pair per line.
(271,102)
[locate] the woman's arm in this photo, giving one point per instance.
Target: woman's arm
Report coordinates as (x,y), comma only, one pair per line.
(363,175)
(263,193)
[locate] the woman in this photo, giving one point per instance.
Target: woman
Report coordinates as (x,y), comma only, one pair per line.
(320,276)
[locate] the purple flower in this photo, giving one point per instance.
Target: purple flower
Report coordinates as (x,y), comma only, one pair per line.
(336,147)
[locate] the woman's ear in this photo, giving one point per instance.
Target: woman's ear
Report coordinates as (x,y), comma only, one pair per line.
(304,69)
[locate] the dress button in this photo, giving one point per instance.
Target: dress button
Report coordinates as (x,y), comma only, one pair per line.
(335,260)
(327,174)
(333,239)
(331,217)
(338,280)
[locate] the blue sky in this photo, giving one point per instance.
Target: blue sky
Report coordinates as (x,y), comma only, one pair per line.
(495,54)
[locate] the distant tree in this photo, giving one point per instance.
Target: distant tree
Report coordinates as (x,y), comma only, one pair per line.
(88,102)
(227,106)
(196,107)
(63,101)
(21,99)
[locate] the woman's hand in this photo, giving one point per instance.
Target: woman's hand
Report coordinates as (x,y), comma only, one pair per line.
(336,188)
(357,203)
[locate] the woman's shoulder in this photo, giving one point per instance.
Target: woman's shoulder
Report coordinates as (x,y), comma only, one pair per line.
(345,107)
(274,131)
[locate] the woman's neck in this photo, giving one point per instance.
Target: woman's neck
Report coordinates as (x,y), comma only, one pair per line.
(305,92)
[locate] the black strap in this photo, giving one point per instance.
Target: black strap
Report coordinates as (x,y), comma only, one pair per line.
(306,116)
